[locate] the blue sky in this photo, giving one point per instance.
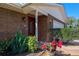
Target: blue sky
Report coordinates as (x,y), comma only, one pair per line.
(72,9)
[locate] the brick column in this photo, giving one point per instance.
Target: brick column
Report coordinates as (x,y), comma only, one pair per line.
(48,20)
(47,28)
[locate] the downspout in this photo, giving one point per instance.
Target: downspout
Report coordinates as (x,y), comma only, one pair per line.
(36,25)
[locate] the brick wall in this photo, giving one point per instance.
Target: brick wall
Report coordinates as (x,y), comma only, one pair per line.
(10,21)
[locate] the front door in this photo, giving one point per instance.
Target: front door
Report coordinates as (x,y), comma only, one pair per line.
(31,26)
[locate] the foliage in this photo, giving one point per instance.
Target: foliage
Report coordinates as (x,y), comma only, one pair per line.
(65,33)
(71,20)
(55,33)
(32,44)
(68,31)
(4,44)
(47,46)
(76,30)
(18,44)
(77,25)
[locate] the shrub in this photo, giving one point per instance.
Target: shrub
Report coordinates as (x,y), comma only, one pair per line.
(32,44)
(18,44)
(14,46)
(55,33)
(67,33)
(4,45)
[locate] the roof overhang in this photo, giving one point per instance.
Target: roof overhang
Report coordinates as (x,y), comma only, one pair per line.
(53,9)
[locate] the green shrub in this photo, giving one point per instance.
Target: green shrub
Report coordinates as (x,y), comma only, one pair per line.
(4,45)
(55,33)
(32,44)
(14,46)
(67,33)
(18,44)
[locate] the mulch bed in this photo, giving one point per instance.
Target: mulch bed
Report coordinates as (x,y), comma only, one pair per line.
(38,53)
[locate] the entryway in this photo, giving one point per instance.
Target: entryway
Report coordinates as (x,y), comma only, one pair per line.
(31,26)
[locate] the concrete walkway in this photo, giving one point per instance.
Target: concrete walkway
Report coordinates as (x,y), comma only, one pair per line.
(72,49)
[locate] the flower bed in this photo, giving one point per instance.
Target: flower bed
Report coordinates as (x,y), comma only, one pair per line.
(17,45)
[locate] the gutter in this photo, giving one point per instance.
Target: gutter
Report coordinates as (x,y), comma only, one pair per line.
(57,19)
(26,5)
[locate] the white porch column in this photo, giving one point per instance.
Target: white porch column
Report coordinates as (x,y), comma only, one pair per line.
(36,25)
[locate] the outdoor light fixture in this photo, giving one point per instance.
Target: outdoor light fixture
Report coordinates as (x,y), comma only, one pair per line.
(23,19)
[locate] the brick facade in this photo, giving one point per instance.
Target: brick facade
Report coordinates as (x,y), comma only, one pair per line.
(9,23)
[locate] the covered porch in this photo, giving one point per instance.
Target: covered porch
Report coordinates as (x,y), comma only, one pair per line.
(40,17)
(37,26)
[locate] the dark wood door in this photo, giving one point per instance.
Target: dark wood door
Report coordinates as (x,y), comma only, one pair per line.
(31,26)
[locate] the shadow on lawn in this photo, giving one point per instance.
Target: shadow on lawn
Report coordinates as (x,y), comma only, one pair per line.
(71,44)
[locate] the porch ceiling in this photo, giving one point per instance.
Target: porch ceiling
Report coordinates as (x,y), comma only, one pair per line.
(55,10)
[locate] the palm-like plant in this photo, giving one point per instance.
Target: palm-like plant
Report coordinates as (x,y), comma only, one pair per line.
(18,44)
(67,32)
(71,20)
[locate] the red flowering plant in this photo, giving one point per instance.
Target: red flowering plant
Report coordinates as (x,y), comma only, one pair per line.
(60,44)
(51,46)
(46,46)
(53,43)
(43,46)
